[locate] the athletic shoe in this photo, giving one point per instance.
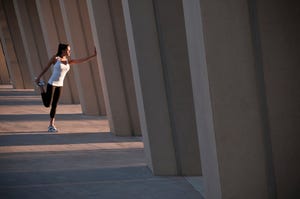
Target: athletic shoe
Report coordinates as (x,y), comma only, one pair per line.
(52,129)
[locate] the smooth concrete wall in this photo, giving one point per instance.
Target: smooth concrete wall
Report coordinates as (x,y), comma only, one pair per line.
(31,34)
(78,30)
(53,34)
(114,66)
(279,48)
(174,58)
(230,117)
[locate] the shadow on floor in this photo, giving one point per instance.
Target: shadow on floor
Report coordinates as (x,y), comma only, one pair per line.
(52,138)
(105,183)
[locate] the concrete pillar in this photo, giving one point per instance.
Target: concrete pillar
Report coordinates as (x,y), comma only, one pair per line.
(78,30)
(4,75)
(277,51)
(228,101)
(31,34)
(114,65)
(174,55)
(159,55)
(53,34)
(150,87)
(121,42)
(9,39)
(22,73)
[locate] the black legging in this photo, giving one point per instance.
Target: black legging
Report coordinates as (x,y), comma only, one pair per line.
(52,95)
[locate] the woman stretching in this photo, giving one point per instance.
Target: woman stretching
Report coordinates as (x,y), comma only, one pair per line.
(61,62)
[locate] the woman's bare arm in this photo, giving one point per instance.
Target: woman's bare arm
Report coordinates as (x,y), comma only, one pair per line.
(84,59)
(51,61)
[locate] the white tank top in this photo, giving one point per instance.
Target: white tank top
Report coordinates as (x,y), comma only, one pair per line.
(59,72)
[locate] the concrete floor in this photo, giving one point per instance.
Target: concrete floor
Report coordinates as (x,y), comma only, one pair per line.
(82,160)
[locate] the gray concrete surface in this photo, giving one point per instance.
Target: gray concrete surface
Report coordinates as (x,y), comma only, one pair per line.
(82,160)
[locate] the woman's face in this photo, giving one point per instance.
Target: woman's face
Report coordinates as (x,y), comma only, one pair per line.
(67,52)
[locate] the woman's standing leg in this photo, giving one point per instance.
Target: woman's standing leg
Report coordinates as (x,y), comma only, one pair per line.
(55,99)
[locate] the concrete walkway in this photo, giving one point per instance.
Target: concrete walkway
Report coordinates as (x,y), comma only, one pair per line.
(83,160)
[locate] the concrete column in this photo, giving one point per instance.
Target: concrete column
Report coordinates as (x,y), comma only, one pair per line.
(78,30)
(228,101)
(114,65)
(4,75)
(157,41)
(4,36)
(15,49)
(31,34)
(117,17)
(53,34)
(8,45)
(150,86)
(277,50)
(173,50)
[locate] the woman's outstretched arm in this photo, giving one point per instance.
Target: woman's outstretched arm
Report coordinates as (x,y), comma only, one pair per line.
(84,59)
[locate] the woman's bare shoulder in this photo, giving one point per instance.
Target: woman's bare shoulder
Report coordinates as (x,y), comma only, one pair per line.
(54,59)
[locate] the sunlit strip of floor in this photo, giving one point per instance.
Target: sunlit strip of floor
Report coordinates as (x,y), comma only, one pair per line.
(71,147)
